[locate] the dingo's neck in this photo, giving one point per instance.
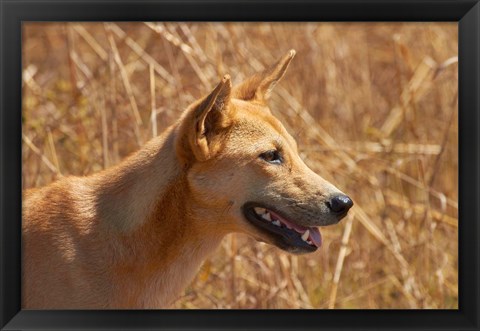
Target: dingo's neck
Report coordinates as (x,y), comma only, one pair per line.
(127,193)
(160,243)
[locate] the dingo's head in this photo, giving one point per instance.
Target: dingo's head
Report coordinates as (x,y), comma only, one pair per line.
(244,171)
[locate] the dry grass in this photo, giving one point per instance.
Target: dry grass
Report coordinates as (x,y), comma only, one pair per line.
(373,107)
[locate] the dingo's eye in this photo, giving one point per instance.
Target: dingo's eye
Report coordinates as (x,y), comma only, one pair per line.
(272,156)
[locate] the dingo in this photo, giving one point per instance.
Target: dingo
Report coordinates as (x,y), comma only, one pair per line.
(134,235)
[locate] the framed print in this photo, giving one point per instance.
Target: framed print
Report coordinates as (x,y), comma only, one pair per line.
(239,165)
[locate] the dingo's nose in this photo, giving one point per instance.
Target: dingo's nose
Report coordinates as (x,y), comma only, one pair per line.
(340,203)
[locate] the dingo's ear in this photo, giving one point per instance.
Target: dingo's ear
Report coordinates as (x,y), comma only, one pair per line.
(259,86)
(207,118)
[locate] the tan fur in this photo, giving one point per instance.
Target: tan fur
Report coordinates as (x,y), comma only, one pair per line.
(134,235)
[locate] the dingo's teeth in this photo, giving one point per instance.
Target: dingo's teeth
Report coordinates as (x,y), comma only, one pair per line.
(309,242)
(267,217)
(260,211)
(277,223)
(305,235)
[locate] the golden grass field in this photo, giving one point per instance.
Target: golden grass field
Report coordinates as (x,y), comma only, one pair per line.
(373,107)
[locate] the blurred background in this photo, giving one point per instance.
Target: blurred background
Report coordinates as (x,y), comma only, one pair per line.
(373,107)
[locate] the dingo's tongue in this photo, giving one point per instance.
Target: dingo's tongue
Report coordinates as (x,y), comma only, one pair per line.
(314,236)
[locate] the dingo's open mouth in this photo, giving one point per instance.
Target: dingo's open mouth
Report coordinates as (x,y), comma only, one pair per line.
(287,234)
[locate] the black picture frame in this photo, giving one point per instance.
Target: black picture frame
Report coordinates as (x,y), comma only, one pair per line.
(465,12)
